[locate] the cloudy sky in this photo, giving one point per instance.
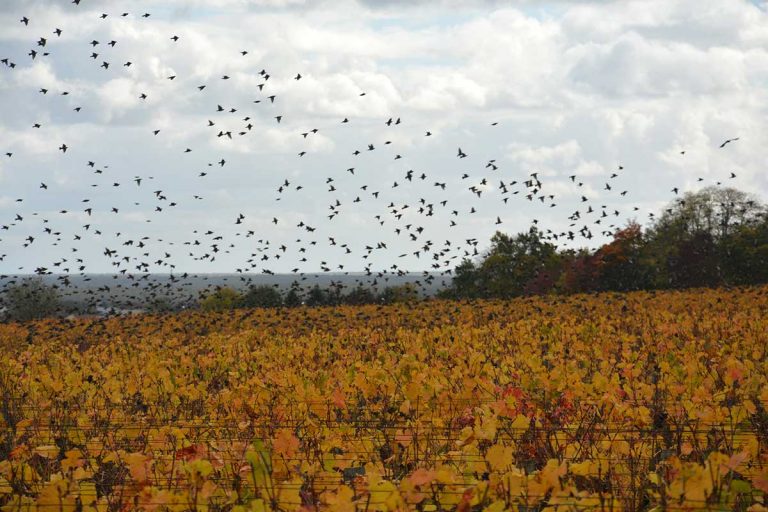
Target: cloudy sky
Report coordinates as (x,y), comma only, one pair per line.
(553,88)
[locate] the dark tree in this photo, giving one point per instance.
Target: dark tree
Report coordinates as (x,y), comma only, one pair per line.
(263,296)
(292,298)
(31,299)
(360,295)
(317,297)
(716,236)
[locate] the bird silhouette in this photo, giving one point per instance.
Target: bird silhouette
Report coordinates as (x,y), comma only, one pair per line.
(380,191)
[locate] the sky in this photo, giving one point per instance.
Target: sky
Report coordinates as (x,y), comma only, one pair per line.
(647,90)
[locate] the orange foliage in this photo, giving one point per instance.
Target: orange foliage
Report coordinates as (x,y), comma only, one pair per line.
(611,402)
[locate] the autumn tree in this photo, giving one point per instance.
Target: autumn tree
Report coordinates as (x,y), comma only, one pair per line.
(581,272)
(220,300)
(620,264)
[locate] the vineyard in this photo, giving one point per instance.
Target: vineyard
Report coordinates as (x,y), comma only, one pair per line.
(640,401)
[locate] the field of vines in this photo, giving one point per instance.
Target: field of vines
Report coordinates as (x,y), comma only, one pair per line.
(640,401)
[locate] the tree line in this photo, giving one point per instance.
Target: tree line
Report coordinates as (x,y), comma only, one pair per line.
(713,237)
(32,299)
(266,296)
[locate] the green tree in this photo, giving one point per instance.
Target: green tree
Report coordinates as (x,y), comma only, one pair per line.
(744,253)
(465,282)
(695,262)
(359,295)
(333,295)
(513,263)
(222,299)
(398,294)
(292,298)
(685,244)
(712,210)
(317,296)
(160,305)
(263,296)
(31,299)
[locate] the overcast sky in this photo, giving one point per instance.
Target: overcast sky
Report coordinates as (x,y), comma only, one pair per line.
(553,88)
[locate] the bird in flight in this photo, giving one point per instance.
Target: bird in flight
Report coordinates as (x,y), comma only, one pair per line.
(401,207)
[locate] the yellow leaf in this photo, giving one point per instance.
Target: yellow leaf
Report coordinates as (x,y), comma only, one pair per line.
(288,494)
(87,493)
(56,494)
(760,480)
(258,505)
(338,399)
(584,468)
(422,477)
(199,467)
(521,423)
(551,473)
(500,457)
(82,474)
(49,451)
(341,500)
(73,459)
(286,444)
(5,487)
(445,476)
(138,466)
(384,496)
(496,506)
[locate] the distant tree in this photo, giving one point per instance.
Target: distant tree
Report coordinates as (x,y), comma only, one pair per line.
(75,306)
(465,283)
(263,296)
(706,238)
(31,299)
(360,295)
(292,298)
(334,295)
(398,294)
(160,305)
(317,296)
(222,299)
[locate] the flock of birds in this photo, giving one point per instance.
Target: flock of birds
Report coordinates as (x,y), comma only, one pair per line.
(137,256)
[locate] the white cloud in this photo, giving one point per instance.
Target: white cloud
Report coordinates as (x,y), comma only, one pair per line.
(577,88)
(564,159)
